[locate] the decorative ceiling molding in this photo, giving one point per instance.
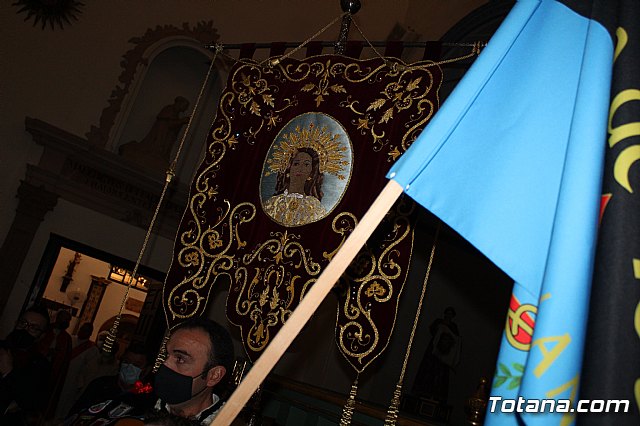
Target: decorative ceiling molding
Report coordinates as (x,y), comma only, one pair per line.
(101,180)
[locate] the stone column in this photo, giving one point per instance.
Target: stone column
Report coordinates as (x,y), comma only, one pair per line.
(34,203)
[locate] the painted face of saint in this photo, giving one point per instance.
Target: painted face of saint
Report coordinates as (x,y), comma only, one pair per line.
(301,167)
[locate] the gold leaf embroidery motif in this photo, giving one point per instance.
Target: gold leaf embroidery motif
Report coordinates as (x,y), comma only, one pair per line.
(377,104)
(388,115)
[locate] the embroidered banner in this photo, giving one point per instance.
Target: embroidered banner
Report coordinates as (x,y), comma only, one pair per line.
(296,154)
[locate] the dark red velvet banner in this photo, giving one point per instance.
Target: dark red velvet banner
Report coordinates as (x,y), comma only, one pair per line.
(297,153)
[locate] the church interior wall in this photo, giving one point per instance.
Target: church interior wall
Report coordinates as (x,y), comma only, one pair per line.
(87,227)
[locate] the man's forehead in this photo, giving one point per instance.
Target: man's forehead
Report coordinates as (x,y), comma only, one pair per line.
(34,318)
(190,341)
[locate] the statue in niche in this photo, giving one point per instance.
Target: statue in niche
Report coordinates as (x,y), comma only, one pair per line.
(154,150)
(441,356)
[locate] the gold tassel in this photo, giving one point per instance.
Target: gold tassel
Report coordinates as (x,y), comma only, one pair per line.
(162,353)
(350,405)
(112,335)
(394,408)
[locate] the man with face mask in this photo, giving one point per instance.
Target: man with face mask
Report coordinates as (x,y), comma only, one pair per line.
(134,366)
(191,381)
(24,370)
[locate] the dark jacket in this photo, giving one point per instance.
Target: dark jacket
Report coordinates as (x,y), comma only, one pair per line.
(23,391)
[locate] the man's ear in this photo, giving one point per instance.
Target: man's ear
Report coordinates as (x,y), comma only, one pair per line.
(215,374)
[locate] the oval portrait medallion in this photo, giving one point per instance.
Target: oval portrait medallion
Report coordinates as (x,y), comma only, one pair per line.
(307,170)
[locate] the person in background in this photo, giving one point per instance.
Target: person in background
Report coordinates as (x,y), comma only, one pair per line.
(196,370)
(100,363)
(24,371)
(135,365)
(82,353)
(56,347)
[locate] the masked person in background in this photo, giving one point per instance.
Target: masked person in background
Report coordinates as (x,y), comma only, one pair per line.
(191,382)
(125,394)
(100,363)
(24,370)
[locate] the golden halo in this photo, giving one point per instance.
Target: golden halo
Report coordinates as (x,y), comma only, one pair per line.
(331,151)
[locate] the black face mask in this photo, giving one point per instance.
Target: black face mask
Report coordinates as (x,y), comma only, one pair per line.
(173,387)
(20,339)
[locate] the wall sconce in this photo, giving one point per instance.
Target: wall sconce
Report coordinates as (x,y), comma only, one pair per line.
(75,297)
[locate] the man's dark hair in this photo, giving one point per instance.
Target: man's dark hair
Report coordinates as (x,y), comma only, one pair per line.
(219,338)
(40,310)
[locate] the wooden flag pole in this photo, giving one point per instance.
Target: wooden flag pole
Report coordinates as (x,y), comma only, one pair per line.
(309,304)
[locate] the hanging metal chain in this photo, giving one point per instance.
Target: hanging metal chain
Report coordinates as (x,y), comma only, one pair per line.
(475,50)
(273,62)
(394,408)
(111,336)
(219,48)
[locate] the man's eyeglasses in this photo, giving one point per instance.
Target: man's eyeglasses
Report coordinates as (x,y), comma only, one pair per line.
(30,326)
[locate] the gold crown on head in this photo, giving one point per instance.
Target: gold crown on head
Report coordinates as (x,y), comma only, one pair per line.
(331,151)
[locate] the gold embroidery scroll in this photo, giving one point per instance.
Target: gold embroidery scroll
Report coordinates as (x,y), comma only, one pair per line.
(295,156)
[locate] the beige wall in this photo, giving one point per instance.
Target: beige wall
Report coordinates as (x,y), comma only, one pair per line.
(81,282)
(82,278)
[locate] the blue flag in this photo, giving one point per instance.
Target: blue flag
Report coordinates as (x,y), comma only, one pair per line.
(513,162)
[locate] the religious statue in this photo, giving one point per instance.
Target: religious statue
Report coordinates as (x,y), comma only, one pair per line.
(154,150)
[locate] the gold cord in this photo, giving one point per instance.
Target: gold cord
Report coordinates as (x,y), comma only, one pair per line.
(304,43)
(113,332)
(394,408)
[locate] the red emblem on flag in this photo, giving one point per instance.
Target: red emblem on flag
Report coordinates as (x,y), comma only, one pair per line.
(520,324)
